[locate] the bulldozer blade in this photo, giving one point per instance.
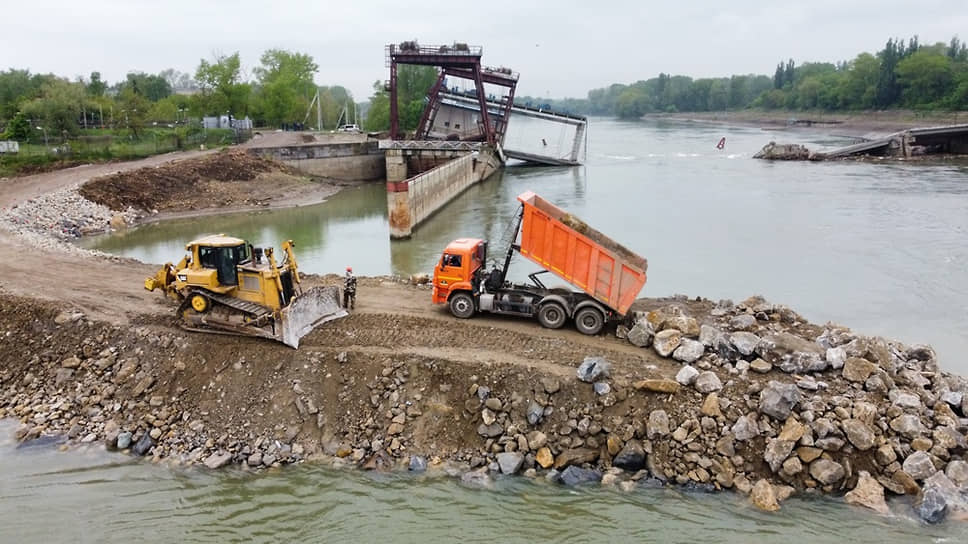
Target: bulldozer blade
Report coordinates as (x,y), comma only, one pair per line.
(314,307)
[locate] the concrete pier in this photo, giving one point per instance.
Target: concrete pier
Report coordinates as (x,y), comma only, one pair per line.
(415,193)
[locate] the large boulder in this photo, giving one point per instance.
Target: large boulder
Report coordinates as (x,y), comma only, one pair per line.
(957,472)
(744,342)
(919,465)
(826,471)
(745,428)
(666,341)
(763,496)
(510,461)
(907,425)
(777,399)
(710,336)
(631,457)
(940,497)
(641,334)
(867,493)
(573,476)
(592,369)
(776,452)
(575,456)
(858,370)
(708,382)
(687,375)
(657,385)
(689,351)
(858,433)
(658,424)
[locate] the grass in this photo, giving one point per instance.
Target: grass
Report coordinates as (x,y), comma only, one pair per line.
(95,145)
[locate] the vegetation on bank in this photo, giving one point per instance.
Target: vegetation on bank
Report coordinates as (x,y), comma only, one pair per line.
(280,93)
(912,75)
(95,145)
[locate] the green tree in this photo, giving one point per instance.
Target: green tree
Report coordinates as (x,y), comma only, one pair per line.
(18,128)
(285,85)
(222,88)
(632,103)
(378,115)
(925,77)
(152,87)
(58,107)
(860,84)
(96,87)
(134,109)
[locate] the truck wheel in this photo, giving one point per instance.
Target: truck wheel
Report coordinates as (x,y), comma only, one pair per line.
(589,321)
(551,315)
(462,305)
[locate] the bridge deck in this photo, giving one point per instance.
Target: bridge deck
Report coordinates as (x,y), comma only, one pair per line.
(539,159)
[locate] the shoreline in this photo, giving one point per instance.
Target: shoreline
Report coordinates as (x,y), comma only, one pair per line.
(848,124)
(746,396)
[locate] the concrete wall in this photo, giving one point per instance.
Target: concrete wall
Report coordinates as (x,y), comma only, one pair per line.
(412,201)
(346,161)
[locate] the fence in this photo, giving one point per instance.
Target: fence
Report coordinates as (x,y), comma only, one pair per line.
(93,147)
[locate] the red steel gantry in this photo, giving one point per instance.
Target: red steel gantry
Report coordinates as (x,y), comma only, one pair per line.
(458,60)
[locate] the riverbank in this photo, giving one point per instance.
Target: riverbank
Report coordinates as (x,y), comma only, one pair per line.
(850,124)
(63,207)
(745,397)
(753,398)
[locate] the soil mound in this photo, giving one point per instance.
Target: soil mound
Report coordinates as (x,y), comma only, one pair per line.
(177,185)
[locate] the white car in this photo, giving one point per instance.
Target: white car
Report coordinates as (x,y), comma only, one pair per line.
(349,128)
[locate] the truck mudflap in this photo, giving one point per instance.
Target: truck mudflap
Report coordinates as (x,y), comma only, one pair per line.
(307,311)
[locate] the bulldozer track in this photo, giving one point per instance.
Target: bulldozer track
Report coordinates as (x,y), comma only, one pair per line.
(256,310)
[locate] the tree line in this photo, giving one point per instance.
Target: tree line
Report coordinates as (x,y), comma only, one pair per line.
(902,75)
(280,92)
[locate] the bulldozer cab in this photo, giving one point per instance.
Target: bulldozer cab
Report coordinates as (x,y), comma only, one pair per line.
(225,260)
(221,253)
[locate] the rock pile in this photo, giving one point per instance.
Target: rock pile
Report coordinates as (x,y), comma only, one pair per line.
(61,216)
(822,408)
(769,406)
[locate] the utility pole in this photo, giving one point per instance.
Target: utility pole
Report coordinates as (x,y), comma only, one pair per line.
(319,112)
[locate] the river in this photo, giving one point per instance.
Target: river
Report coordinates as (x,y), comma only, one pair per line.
(90,495)
(879,247)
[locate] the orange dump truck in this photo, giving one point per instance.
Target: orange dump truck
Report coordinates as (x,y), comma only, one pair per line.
(608,275)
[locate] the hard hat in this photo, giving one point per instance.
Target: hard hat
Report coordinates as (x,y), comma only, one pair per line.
(349,268)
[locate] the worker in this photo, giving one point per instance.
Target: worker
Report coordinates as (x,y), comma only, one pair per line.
(349,289)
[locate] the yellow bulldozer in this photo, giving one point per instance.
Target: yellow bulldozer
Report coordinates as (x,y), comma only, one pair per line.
(227,286)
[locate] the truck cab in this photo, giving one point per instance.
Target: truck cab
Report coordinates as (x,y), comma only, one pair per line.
(459,270)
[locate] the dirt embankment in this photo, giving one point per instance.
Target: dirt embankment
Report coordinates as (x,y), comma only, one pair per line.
(714,396)
(64,208)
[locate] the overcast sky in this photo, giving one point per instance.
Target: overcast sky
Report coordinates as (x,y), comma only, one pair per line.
(561,48)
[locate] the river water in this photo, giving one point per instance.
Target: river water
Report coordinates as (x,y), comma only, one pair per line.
(95,496)
(880,247)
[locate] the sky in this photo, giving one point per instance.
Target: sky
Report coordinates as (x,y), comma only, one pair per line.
(561,48)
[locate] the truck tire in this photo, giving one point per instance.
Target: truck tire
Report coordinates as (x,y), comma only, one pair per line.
(461,305)
(589,321)
(551,315)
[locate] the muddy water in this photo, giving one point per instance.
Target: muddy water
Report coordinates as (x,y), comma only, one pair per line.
(95,496)
(880,247)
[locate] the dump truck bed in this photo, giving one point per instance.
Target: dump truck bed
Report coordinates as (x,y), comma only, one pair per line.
(585,258)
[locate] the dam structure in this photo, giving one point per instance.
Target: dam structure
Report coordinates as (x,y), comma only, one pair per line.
(459,140)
